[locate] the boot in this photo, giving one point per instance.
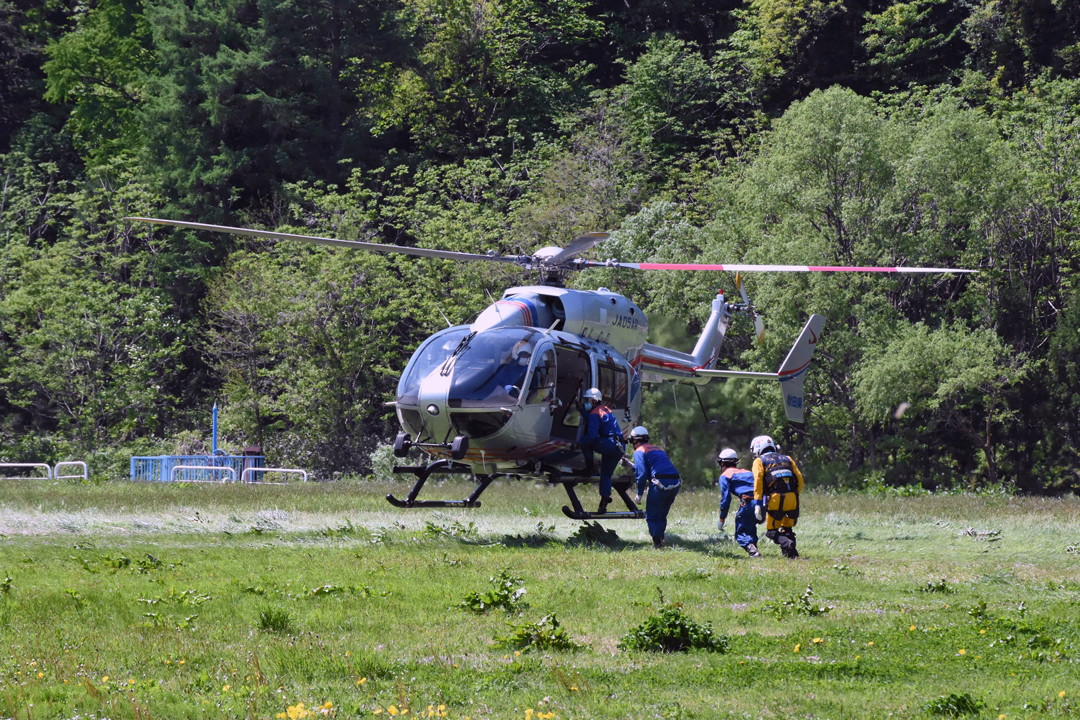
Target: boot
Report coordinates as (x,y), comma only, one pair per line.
(658,542)
(752,550)
(604,502)
(787,546)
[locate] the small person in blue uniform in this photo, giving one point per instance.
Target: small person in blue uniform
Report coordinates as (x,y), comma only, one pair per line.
(740,483)
(603,435)
(654,470)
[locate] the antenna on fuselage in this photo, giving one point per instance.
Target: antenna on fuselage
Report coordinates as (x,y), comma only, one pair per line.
(448,323)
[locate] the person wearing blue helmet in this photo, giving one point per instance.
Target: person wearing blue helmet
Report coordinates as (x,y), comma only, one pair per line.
(654,472)
(740,483)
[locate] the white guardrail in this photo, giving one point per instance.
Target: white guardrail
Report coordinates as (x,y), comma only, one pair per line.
(249,472)
(84,476)
(48,471)
(230,475)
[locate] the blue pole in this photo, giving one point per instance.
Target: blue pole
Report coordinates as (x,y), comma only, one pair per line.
(215,428)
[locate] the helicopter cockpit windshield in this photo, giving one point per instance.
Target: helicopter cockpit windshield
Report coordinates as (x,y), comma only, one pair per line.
(491,371)
(430,355)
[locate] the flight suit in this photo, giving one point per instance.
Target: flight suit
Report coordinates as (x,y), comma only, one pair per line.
(653,469)
(740,483)
(603,435)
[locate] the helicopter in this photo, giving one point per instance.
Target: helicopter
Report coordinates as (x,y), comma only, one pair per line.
(501,397)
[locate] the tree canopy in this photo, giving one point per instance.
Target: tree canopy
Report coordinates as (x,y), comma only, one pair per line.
(874,132)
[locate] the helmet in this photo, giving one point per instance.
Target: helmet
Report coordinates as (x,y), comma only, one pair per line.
(593,394)
(761,445)
(639,433)
(522,352)
(727,456)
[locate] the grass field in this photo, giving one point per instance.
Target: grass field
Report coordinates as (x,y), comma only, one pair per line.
(147,601)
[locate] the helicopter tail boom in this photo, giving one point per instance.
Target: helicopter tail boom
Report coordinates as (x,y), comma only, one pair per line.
(792,372)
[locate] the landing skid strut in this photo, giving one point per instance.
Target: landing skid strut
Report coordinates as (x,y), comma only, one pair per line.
(439,467)
(578,512)
(553,476)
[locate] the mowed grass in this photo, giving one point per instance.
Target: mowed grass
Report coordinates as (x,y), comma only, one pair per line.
(127,600)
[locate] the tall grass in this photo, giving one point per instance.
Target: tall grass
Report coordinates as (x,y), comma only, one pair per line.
(230,601)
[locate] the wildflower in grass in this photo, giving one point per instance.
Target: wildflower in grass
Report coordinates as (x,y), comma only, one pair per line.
(797,646)
(856,657)
(1001,716)
(961,651)
(1061,694)
(983,631)
(361,681)
(912,628)
(818,641)
(529,713)
(392,710)
(326,708)
(105,679)
(40,674)
(225,688)
(870,644)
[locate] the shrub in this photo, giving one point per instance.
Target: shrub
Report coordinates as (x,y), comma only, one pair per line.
(801,605)
(941,586)
(506,594)
(546,634)
(671,630)
(954,705)
(275,620)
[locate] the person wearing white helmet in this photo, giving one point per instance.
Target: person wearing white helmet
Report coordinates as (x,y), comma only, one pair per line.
(740,483)
(655,472)
(777,486)
(602,434)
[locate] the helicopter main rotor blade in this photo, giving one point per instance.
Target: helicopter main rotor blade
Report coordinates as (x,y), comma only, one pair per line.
(768,268)
(354,244)
(577,246)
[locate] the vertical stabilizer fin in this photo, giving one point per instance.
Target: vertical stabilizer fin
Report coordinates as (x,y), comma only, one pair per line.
(792,373)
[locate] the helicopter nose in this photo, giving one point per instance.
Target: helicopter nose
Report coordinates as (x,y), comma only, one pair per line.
(433,405)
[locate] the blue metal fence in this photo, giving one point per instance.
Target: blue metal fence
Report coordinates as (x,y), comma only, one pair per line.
(160,468)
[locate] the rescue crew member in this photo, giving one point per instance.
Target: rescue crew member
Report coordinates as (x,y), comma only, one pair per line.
(740,483)
(654,471)
(777,485)
(603,435)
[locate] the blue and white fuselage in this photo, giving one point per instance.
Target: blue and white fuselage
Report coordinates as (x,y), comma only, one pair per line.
(511,381)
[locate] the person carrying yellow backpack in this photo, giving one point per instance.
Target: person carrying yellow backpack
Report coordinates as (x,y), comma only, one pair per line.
(777,486)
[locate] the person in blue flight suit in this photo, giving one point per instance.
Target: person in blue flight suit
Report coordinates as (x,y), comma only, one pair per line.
(505,383)
(740,483)
(653,470)
(603,435)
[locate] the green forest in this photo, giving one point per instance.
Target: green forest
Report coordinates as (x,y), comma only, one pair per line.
(942,133)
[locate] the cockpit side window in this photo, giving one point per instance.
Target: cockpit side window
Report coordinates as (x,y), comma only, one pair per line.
(542,384)
(613,385)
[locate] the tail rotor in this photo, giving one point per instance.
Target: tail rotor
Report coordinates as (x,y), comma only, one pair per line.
(759,324)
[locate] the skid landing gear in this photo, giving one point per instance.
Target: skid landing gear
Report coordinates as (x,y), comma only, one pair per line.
(439,467)
(578,512)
